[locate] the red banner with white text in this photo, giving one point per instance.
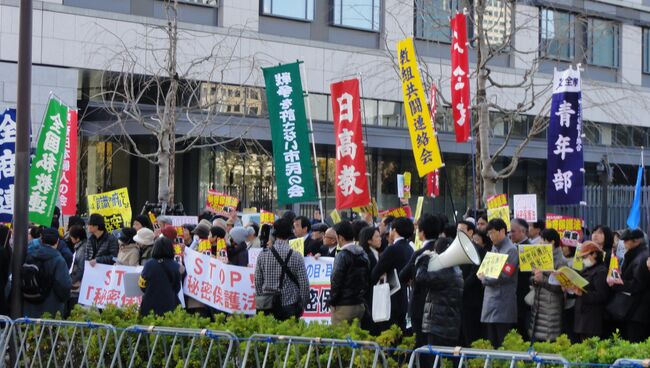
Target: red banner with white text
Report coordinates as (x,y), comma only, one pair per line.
(351,180)
(460,100)
(68,184)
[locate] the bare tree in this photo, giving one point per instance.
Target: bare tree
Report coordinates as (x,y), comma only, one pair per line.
(153,91)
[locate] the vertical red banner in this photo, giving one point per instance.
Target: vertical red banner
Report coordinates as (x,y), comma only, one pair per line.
(68,185)
(351,180)
(460,100)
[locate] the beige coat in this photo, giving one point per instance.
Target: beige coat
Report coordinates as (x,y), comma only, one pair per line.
(129,255)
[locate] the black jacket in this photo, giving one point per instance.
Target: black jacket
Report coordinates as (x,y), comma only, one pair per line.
(350,276)
(634,273)
(312,246)
(326,252)
(444,299)
(237,254)
(57,271)
(590,306)
(395,257)
(472,286)
(102,250)
(160,281)
(418,290)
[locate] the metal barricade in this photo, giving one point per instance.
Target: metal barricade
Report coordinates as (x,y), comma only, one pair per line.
(291,351)
(153,346)
(636,363)
(52,343)
(6,327)
(462,356)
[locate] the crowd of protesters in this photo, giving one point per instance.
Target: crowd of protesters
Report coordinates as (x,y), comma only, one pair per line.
(450,306)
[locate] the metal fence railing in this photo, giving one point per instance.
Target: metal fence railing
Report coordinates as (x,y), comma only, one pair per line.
(439,356)
(52,343)
(291,351)
(150,346)
(6,328)
(636,363)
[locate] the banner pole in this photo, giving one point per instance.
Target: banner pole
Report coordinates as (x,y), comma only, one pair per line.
(303,70)
(365,135)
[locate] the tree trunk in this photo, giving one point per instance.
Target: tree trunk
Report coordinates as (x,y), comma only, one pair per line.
(488,174)
(163,173)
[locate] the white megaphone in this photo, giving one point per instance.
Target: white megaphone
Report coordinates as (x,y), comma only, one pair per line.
(460,251)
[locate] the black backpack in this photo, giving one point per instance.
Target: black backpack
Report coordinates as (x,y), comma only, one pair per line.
(36,284)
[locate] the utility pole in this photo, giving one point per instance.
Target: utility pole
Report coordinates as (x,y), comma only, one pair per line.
(21,183)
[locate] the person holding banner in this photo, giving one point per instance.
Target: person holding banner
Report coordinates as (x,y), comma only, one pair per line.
(160,280)
(548,297)
(129,254)
(78,238)
(102,247)
(145,239)
(350,280)
(590,303)
(499,312)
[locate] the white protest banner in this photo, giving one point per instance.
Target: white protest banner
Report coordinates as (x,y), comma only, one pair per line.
(319,272)
(105,284)
(222,286)
(525,207)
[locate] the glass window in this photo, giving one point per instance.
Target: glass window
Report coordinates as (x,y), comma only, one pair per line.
(497,22)
(363,14)
(390,113)
(602,42)
(298,9)
(620,135)
(646,50)
(319,106)
(432,19)
(638,136)
(592,132)
(557,34)
(369,111)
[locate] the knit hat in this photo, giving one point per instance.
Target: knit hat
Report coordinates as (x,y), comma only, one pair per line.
(144,236)
(127,235)
(50,236)
(238,234)
(219,222)
(169,232)
(96,220)
(202,230)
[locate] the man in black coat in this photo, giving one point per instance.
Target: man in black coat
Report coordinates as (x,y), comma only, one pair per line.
(428,231)
(519,236)
(302,229)
(102,247)
(635,281)
(471,327)
(392,260)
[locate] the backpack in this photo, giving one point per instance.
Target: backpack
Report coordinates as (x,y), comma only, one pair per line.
(36,284)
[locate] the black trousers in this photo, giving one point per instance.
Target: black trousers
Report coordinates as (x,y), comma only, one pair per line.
(636,331)
(497,332)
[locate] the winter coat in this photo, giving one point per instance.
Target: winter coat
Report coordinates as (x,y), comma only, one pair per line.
(350,278)
(443,303)
(5,269)
(65,252)
(57,271)
(590,306)
(160,281)
(500,296)
(472,286)
(312,246)
(78,266)
(237,254)
(634,273)
(546,316)
(418,290)
(129,255)
(102,250)
(145,254)
(395,257)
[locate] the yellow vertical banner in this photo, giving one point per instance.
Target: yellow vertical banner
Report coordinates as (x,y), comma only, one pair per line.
(423,139)
(407,185)
(418,209)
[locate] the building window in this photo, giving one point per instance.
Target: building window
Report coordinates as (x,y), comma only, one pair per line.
(557,34)
(362,14)
(497,22)
(297,9)
(602,42)
(646,50)
(213,3)
(432,19)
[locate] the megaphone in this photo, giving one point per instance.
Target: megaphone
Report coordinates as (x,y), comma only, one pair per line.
(460,251)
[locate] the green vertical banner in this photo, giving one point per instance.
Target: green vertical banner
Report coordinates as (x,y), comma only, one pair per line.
(45,172)
(291,152)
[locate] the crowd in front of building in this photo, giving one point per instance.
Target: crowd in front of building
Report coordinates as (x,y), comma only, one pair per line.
(449,306)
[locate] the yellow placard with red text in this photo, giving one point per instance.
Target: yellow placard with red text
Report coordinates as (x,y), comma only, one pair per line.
(502,213)
(496,201)
(492,265)
(267,218)
(423,139)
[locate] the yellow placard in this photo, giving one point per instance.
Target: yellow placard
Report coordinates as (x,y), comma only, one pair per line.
(298,245)
(219,203)
(418,243)
(569,278)
(418,209)
(205,246)
(500,212)
(423,139)
(114,206)
(267,218)
(495,201)
(371,208)
(492,265)
(538,256)
(335,216)
(154,222)
(577,261)
(614,270)
(407,185)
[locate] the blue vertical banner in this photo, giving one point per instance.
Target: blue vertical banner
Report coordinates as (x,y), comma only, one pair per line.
(565,163)
(7,164)
(634,218)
